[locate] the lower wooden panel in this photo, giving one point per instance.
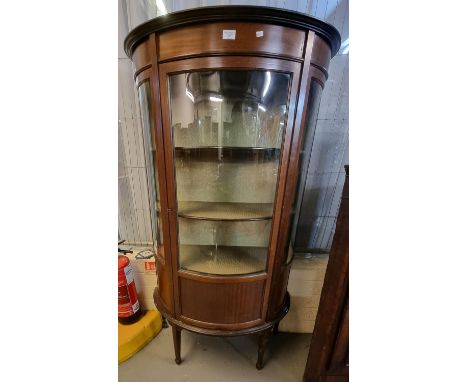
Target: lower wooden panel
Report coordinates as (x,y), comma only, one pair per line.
(217,326)
(231,303)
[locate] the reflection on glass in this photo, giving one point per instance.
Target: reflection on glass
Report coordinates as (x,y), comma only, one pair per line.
(228,129)
(151,170)
(313,103)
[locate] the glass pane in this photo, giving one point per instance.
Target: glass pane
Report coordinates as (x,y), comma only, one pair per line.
(151,170)
(313,103)
(228,130)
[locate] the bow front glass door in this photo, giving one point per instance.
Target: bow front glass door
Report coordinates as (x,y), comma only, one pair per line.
(227,130)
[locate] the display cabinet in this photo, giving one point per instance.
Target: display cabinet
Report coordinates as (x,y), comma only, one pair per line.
(229,97)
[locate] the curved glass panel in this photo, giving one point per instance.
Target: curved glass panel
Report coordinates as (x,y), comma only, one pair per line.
(144,92)
(315,93)
(228,130)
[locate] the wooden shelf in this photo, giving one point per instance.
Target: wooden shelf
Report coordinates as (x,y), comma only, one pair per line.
(215,153)
(226,148)
(225,211)
(222,260)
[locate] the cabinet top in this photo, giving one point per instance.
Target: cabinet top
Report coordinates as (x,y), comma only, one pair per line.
(256,14)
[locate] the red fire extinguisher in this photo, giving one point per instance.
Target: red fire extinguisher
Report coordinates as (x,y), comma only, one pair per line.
(129,307)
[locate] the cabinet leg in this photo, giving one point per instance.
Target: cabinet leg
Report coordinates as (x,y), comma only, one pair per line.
(176,338)
(262,342)
(275,328)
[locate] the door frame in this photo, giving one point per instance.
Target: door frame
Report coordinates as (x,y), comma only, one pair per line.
(226,63)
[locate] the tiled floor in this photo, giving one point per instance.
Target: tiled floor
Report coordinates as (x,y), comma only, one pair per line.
(215,359)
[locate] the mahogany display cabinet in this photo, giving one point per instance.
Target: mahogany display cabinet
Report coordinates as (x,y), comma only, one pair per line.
(229,98)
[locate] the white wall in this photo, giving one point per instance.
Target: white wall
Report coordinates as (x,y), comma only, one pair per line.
(134,218)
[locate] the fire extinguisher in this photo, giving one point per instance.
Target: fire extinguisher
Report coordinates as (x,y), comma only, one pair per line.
(129,307)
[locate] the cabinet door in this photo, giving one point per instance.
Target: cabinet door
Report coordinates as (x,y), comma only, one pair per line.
(227,125)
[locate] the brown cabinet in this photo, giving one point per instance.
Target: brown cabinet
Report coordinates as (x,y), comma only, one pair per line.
(225,99)
(328,359)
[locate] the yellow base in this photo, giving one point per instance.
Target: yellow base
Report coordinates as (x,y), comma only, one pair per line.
(134,337)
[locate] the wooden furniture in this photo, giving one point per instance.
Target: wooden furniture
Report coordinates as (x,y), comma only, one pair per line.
(228,97)
(328,359)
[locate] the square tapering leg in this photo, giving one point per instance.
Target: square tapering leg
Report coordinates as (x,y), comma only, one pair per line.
(176,338)
(262,343)
(275,328)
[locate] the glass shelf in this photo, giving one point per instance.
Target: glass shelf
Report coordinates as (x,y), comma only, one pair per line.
(225,211)
(222,260)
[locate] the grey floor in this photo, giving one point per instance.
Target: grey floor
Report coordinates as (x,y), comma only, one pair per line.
(217,359)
